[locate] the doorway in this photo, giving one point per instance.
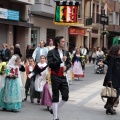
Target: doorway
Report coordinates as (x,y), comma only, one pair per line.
(72,42)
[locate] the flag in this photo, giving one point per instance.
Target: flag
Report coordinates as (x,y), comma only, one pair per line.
(66,14)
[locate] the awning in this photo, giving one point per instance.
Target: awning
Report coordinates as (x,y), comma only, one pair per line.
(16,23)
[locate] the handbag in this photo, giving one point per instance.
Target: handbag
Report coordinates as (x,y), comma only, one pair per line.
(108,92)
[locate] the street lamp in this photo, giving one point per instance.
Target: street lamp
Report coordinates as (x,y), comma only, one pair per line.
(103,21)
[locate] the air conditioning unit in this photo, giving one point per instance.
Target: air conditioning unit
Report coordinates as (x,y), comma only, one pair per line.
(37,1)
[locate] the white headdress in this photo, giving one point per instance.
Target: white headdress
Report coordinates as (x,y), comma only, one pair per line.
(11,62)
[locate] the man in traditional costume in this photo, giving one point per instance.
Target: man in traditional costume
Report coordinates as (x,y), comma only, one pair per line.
(59,62)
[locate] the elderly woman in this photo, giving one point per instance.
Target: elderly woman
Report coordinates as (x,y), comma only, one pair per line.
(112,77)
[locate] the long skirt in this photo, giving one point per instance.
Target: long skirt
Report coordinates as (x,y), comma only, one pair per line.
(10,95)
(46,96)
(77,70)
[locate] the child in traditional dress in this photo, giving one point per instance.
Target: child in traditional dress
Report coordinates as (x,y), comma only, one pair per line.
(40,72)
(11,93)
(47,92)
(30,81)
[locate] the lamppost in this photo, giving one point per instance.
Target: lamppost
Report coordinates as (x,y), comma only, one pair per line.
(103,21)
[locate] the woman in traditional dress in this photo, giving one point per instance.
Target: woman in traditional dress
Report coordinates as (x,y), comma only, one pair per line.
(77,68)
(10,94)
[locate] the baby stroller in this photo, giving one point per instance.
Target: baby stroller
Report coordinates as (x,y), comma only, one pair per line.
(99,65)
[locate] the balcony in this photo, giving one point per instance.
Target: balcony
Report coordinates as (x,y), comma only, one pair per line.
(24,1)
(43,8)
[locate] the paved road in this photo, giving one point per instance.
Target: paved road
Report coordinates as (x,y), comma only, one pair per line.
(84,103)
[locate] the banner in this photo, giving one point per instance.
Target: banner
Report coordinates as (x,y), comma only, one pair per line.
(9,14)
(66,14)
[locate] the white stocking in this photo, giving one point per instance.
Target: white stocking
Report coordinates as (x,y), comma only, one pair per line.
(55,110)
(61,103)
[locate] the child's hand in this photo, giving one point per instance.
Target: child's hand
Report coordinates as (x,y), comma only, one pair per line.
(29,76)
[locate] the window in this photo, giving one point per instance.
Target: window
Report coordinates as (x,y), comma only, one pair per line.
(117,19)
(79,12)
(110,18)
(47,2)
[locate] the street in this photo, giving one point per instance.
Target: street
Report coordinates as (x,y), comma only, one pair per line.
(84,103)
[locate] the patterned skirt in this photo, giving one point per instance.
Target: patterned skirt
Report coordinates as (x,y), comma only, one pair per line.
(10,95)
(77,70)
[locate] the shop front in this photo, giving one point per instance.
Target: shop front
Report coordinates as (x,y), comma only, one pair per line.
(77,37)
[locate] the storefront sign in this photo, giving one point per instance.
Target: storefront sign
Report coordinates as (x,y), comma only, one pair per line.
(26,1)
(66,14)
(9,14)
(77,31)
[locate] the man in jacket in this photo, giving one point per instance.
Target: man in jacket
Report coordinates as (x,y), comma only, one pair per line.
(5,53)
(59,62)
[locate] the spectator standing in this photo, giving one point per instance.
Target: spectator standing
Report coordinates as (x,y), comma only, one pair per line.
(94,55)
(29,51)
(50,45)
(90,55)
(12,50)
(5,53)
(17,50)
(40,51)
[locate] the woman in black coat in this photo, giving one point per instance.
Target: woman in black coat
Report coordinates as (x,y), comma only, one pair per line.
(112,77)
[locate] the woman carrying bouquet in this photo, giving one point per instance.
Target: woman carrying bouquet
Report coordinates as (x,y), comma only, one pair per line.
(77,67)
(10,94)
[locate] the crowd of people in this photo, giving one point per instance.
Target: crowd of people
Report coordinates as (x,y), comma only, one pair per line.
(48,70)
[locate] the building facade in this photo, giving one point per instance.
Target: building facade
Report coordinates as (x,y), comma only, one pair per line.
(42,14)
(14,26)
(114,21)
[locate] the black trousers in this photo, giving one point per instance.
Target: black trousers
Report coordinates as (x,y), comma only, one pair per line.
(111,101)
(59,84)
(27,86)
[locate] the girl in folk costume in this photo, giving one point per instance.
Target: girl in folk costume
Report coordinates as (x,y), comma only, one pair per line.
(11,94)
(40,73)
(30,81)
(47,91)
(77,68)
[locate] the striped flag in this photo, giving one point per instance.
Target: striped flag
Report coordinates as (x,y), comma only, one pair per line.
(66,14)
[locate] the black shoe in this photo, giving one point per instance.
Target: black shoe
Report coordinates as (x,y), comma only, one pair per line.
(107,105)
(110,111)
(32,100)
(38,101)
(25,99)
(57,119)
(51,111)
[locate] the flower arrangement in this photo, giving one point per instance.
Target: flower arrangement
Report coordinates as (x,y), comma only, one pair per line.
(2,68)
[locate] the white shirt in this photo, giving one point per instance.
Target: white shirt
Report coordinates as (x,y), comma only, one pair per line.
(50,47)
(61,56)
(35,51)
(99,53)
(83,51)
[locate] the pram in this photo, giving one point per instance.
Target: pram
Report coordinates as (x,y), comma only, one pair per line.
(99,65)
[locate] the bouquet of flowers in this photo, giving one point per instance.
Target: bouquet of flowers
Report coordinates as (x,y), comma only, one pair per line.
(2,68)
